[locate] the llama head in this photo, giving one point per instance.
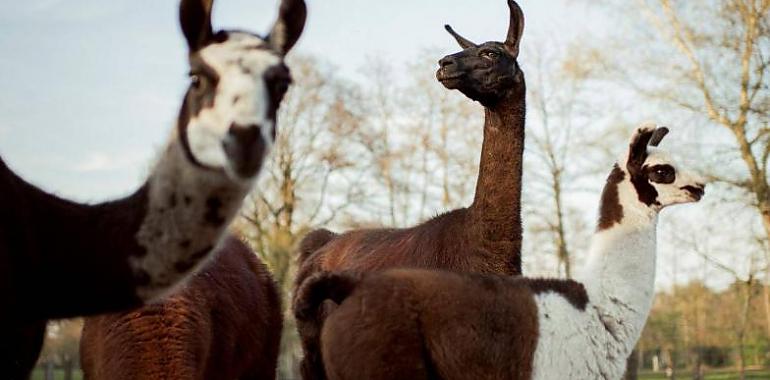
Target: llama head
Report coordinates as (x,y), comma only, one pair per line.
(237,81)
(486,72)
(657,179)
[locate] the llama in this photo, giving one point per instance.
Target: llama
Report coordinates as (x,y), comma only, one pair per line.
(224,323)
(421,324)
(61,259)
(484,237)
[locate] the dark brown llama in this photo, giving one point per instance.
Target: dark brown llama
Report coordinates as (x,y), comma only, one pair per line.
(484,237)
(415,324)
(60,259)
(225,323)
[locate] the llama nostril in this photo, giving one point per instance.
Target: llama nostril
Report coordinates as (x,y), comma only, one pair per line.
(446,61)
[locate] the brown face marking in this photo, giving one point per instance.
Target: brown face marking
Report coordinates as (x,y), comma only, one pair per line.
(277,79)
(185,244)
(201,94)
(212,217)
(635,166)
(187,200)
(172,200)
(574,292)
(610,210)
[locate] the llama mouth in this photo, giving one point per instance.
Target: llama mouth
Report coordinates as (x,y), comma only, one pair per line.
(696,192)
(443,76)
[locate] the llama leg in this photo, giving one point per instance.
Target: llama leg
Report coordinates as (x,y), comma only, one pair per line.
(20,345)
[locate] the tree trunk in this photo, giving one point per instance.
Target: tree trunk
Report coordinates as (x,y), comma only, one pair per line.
(68,369)
(697,371)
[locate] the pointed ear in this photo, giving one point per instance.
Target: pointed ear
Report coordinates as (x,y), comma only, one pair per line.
(289,26)
(515,28)
(195,17)
(658,136)
(637,150)
(464,43)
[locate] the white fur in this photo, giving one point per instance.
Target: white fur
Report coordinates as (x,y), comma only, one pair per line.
(619,278)
(165,228)
(207,130)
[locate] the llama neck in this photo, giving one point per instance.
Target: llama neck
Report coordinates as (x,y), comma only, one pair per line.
(496,208)
(620,272)
(116,254)
(188,210)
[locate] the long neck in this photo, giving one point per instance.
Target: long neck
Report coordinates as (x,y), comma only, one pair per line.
(620,273)
(116,254)
(496,208)
(188,210)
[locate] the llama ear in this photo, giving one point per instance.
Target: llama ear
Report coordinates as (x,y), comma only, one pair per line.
(637,151)
(515,29)
(464,42)
(289,26)
(195,17)
(658,136)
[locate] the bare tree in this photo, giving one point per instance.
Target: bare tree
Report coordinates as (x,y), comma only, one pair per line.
(309,180)
(556,145)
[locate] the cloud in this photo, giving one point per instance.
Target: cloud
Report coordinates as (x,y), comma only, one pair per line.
(102,162)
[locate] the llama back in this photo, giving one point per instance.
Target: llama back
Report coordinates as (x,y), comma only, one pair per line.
(226,321)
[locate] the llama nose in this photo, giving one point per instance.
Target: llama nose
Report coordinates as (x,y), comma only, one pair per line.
(245,148)
(244,135)
(447,61)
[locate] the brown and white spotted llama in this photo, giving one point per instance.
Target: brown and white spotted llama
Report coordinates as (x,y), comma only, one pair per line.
(423,324)
(224,323)
(484,237)
(61,259)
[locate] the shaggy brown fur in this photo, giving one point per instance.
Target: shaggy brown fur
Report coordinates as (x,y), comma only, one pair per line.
(421,324)
(484,237)
(610,210)
(224,324)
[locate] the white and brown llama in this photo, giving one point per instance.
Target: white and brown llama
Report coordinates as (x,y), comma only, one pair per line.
(62,259)
(226,322)
(421,324)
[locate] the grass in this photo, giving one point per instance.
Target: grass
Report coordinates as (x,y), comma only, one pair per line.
(58,374)
(710,375)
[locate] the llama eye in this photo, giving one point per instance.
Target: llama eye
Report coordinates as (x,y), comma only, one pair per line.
(491,54)
(195,81)
(662,174)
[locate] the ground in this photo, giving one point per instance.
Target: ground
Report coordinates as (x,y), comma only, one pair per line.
(710,375)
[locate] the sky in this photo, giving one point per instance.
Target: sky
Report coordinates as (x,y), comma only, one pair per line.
(89,89)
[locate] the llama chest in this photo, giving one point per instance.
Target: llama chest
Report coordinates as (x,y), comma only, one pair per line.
(576,344)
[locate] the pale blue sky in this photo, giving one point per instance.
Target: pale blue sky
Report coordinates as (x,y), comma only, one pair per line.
(90,88)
